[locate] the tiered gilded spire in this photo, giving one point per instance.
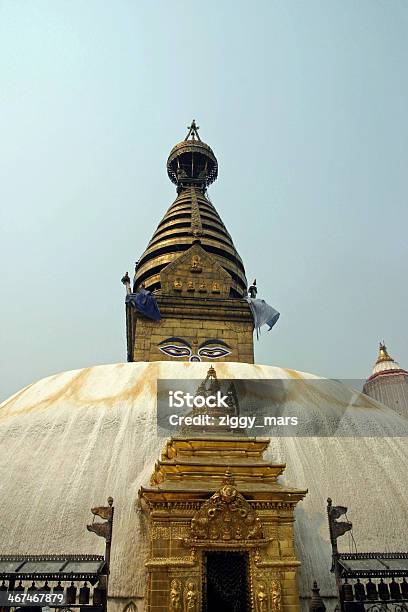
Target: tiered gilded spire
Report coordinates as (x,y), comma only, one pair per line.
(385,363)
(192,166)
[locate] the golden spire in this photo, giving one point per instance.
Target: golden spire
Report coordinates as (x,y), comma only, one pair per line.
(384,363)
(382,354)
(192,166)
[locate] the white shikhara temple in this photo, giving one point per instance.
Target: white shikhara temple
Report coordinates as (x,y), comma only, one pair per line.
(388,383)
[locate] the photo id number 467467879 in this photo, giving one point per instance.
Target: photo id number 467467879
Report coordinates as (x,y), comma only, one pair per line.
(31,598)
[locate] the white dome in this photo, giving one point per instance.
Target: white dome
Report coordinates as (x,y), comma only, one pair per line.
(71,440)
(387,365)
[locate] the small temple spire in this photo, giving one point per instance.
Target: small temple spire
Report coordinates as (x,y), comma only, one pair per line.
(384,362)
(316,604)
(388,382)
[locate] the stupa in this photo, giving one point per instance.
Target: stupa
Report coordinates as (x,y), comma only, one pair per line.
(236,519)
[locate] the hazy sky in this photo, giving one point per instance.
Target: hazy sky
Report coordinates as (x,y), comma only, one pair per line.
(305,105)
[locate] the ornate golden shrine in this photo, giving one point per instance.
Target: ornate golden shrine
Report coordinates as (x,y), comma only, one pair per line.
(219,494)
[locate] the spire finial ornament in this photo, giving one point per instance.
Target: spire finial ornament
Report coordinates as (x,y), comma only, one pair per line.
(126,281)
(193,131)
(253,290)
(383,354)
(316,604)
(192,163)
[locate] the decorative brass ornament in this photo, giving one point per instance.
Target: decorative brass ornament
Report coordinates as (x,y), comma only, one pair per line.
(103,530)
(177,284)
(227,517)
(190,596)
(215,287)
(262,597)
(276,591)
(203,287)
(160,531)
(190,286)
(196,266)
(267,591)
(196,226)
(175,595)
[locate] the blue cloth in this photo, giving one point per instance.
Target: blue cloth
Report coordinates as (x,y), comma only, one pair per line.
(145,303)
(262,314)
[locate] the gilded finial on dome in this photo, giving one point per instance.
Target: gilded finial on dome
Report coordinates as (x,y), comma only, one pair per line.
(383,354)
(191,162)
(385,365)
(193,131)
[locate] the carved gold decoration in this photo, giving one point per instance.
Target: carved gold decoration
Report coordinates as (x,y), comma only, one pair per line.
(190,597)
(270,530)
(203,287)
(276,591)
(157,476)
(196,226)
(177,284)
(215,287)
(179,530)
(226,516)
(262,598)
(190,286)
(160,532)
(159,562)
(175,595)
(196,264)
(268,591)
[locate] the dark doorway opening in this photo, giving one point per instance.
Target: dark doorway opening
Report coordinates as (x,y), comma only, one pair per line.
(226,582)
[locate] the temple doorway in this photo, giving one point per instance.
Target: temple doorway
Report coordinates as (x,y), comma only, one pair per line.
(226,582)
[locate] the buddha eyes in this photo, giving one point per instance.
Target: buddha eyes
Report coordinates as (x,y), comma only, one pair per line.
(214,353)
(175,351)
(179,349)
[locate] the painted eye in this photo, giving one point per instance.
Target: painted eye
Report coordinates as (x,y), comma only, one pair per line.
(214,353)
(175,351)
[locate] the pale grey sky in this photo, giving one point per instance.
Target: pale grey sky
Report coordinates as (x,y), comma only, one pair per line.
(305,105)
